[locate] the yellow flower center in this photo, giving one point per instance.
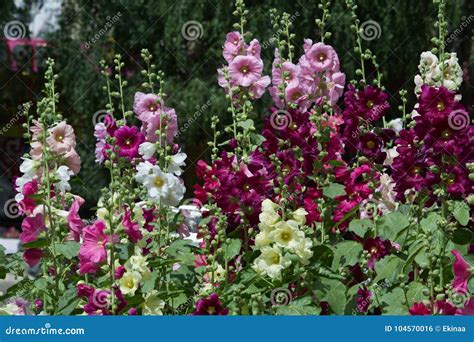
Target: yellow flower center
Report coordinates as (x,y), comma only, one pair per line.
(440,106)
(59,138)
(285,236)
(293,126)
(446,134)
(244,69)
(129,283)
(417,170)
(211,310)
(246,187)
(370,104)
(321,57)
(152,108)
(370,144)
(127,142)
(159,182)
(275,259)
(451,180)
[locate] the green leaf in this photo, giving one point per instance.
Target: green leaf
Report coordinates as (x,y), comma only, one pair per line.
(3,269)
(393,301)
(360,227)
(415,293)
(460,211)
(296,310)
(41,284)
(68,249)
(387,268)
(257,139)
(232,248)
(40,243)
(462,236)
(414,250)
(347,253)
(247,124)
(67,302)
(391,225)
(430,223)
(334,292)
(334,190)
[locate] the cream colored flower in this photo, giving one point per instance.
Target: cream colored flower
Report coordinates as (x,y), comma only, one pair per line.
(287,234)
(129,282)
(153,305)
(299,216)
(303,250)
(271,262)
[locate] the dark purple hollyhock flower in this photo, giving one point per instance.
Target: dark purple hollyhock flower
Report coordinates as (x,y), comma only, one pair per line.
(377,249)
(369,104)
(436,104)
(370,145)
(363,299)
(210,306)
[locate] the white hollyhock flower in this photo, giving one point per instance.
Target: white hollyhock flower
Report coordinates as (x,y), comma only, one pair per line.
(176,162)
(63,173)
(143,170)
(153,305)
(299,216)
(396,125)
(176,190)
(137,263)
(147,150)
(271,262)
(28,167)
(303,250)
(129,282)
(286,234)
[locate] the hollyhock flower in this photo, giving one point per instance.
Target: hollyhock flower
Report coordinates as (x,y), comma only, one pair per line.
(146,106)
(257,89)
(92,251)
(363,299)
(233,45)
(84,290)
(468,309)
(100,131)
(73,161)
(63,174)
(442,307)
(321,56)
(436,104)
(288,73)
(335,86)
(286,234)
(371,103)
(153,304)
(419,309)
(128,140)
(32,256)
(370,145)
(210,306)
(377,249)
(31,227)
(38,304)
(176,162)
(245,70)
(271,262)
(61,138)
(132,229)
(24,197)
(111,124)
(130,282)
(254,48)
(147,150)
(165,121)
(74,221)
(462,273)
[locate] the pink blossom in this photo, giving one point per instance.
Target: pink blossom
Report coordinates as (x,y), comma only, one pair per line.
(73,161)
(74,221)
(165,120)
(128,140)
(291,72)
(461,270)
(258,88)
(254,48)
(245,70)
(335,86)
(31,227)
(232,46)
(92,251)
(132,229)
(146,105)
(61,138)
(322,57)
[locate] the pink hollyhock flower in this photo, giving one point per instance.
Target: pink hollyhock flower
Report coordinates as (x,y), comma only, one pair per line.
(258,88)
(74,221)
(31,227)
(335,86)
(92,251)
(210,306)
(245,70)
(146,105)
(128,140)
(461,270)
(419,309)
(321,56)
(61,138)
(73,161)
(254,48)
(132,229)
(165,120)
(27,204)
(100,131)
(32,256)
(232,46)
(288,73)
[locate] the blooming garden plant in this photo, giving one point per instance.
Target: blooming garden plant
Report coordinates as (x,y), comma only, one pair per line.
(330,209)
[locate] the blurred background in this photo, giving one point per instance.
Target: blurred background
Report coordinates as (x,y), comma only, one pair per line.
(185,37)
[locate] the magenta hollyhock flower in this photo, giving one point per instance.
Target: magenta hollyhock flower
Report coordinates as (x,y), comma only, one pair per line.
(119,272)
(436,104)
(468,309)
(128,140)
(233,45)
(74,221)
(28,204)
(442,307)
(146,105)
(371,103)
(84,290)
(419,309)
(110,124)
(32,256)
(38,304)
(245,70)
(31,228)
(462,273)
(132,229)
(92,251)
(210,306)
